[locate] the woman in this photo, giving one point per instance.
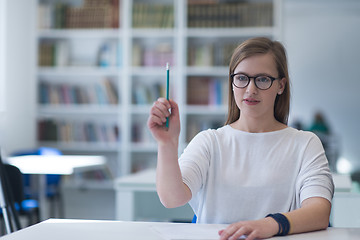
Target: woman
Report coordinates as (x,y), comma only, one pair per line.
(255,173)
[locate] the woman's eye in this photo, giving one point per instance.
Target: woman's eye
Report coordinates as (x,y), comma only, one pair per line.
(241,78)
(263,79)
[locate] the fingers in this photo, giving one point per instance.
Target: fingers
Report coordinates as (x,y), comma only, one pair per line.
(228,233)
(240,232)
(248,230)
(252,235)
(154,121)
(234,232)
(160,111)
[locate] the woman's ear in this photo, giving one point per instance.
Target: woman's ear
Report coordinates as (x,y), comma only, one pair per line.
(282,84)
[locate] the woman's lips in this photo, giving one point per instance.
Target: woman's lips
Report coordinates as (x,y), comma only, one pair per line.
(250,101)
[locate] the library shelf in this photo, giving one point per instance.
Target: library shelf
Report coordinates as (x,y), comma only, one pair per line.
(126,55)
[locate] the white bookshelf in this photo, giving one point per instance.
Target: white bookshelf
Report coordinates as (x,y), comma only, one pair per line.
(130,72)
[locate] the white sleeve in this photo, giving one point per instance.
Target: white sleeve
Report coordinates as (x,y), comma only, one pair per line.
(315,179)
(194,161)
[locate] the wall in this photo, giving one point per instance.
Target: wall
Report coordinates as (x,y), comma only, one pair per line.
(2,56)
(322,40)
(17,122)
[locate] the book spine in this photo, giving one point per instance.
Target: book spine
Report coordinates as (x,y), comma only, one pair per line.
(71,131)
(229,14)
(153,15)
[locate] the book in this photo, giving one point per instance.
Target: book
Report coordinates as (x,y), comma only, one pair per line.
(61,10)
(154,55)
(198,91)
(54,53)
(213,53)
(62,53)
(207,91)
(76,131)
(147,93)
(228,14)
(195,125)
(152,15)
(45,16)
(47,130)
(111,91)
(46,54)
(90,14)
(102,92)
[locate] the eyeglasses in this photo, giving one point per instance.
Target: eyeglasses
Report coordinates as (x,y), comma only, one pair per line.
(262,82)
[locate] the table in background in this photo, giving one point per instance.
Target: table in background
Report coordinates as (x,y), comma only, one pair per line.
(53,164)
(129,205)
(87,229)
(342,182)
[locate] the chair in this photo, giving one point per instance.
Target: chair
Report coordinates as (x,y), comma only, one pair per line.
(194,219)
(7,210)
(24,207)
(52,180)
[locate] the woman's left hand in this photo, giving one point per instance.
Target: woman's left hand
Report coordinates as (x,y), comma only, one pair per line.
(263,228)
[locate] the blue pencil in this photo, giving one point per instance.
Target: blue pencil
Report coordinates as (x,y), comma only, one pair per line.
(167,89)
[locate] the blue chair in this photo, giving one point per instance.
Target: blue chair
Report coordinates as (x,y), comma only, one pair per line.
(15,185)
(52,180)
(194,219)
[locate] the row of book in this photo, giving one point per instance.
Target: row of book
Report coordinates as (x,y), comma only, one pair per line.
(147,93)
(53,54)
(210,54)
(207,91)
(102,174)
(152,15)
(105,14)
(81,132)
(157,55)
(230,14)
(92,14)
(102,93)
(140,133)
(76,131)
(194,126)
(85,131)
(144,163)
(58,54)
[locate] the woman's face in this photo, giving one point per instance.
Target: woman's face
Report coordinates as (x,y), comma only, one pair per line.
(252,101)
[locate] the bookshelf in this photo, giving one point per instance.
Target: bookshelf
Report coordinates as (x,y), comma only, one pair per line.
(101,67)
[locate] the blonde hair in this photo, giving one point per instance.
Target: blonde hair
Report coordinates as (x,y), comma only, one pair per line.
(251,47)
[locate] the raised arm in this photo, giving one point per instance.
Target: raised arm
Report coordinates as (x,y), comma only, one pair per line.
(170,187)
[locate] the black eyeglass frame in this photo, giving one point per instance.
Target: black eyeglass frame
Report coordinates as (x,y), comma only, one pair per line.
(253,77)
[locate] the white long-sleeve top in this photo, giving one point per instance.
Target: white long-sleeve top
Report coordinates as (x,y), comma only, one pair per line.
(235,175)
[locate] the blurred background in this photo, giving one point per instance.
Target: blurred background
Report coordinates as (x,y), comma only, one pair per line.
(80,76)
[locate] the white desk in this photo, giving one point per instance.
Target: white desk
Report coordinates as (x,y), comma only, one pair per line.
(126,187)
(127,204)
(345,210)
(59,229)
(342,182)
(53,164)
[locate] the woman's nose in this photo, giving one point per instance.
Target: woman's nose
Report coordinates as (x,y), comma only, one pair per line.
(251,88)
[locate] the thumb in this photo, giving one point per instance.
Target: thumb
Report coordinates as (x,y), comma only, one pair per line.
(174,108)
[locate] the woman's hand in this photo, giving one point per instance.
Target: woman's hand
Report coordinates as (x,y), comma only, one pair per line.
(313,215)
(157,121)
(263,228)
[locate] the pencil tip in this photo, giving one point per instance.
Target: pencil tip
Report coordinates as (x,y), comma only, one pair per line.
(167,66)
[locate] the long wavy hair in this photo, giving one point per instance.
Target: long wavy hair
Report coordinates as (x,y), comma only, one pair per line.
(251,47)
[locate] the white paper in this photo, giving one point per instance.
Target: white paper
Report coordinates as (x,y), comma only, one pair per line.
(186,231)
